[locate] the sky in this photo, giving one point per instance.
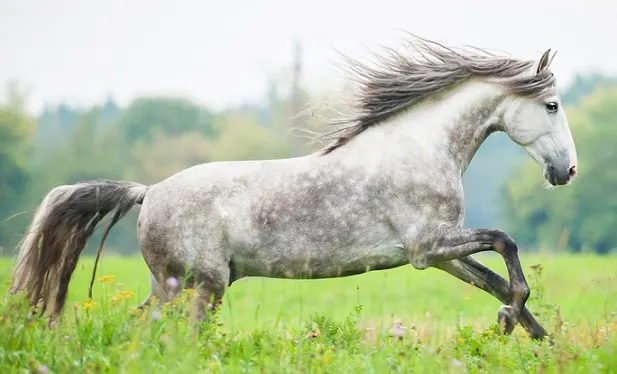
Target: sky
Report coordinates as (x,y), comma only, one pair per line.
(221,53)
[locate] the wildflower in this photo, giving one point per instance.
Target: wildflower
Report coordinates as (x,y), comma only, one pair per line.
(489,332)
(172,282)
(107,279)
(398,330)
(461,340)
(88,304)
(122,295)
(156,316)
(43,369)
(135,311)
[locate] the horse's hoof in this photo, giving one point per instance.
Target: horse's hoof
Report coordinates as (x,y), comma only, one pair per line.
(506,319)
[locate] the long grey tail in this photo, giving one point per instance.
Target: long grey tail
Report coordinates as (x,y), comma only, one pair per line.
(57,235)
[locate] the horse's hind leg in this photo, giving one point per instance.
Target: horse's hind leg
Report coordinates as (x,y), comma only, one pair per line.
(471,271)
(156,290)
(460,243)
(210,283)
(189,253)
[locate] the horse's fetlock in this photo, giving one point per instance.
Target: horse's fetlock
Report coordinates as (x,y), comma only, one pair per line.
(420,262)
(504,243)
(522,292)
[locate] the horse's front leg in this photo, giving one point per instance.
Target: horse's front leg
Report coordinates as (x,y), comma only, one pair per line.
(473,272)
(458,243)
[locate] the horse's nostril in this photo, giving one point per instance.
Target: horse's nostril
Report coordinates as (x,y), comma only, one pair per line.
(572,170)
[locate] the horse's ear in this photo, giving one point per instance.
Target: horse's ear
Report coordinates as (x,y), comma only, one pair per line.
(543,62)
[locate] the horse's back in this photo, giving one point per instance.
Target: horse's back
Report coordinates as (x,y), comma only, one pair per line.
(204,197)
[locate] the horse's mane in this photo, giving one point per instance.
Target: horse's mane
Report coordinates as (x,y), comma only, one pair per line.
(400,80)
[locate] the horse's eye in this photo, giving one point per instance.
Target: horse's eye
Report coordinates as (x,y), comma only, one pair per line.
(551,106)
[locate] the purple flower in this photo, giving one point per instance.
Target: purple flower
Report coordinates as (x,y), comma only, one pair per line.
(398,330)
(43,369)
(172,282)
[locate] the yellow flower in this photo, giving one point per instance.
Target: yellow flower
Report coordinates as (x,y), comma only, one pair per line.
(461,340)
(122,295)
(88,304)
(489,332)
(135,311)
(107,279)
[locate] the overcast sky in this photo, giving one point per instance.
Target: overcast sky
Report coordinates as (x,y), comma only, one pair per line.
(220,52)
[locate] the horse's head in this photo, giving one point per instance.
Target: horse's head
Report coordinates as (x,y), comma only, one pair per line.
(538,123)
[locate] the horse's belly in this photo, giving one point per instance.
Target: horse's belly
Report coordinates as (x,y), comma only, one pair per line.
(309,263)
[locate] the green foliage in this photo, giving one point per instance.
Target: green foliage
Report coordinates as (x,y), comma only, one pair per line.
(16,131)
(314,326)
(581,216)
(584,85)
(172,116)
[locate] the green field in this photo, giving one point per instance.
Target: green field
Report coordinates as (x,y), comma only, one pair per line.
(336,325)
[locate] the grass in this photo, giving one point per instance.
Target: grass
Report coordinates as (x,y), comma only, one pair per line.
(335,325)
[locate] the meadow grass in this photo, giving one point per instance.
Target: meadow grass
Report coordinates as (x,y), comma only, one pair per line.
(330,325)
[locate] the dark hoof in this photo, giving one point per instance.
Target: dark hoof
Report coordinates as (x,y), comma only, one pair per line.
(540,336)
(506,319)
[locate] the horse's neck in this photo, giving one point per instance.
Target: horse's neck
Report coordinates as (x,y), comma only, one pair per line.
(447,128)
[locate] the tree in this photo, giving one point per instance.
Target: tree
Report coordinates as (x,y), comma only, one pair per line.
(171,116)
(583,85)
(16,133)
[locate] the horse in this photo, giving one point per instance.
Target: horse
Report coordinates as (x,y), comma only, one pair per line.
(386,191)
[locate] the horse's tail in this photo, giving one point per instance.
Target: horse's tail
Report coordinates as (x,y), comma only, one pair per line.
(65,220)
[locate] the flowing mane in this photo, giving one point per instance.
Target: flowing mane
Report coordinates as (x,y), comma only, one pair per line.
(400,80)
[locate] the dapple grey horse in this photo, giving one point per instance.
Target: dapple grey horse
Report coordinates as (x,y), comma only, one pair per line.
(386,192)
